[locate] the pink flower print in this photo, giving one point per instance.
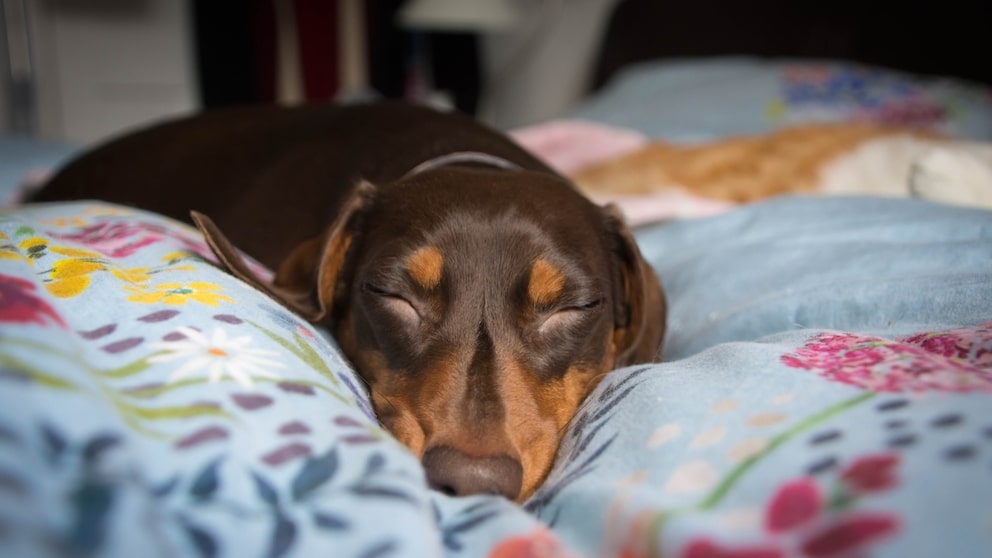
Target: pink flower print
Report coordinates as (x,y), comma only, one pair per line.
(871,473)
(968,345)
(794,504)
(799,521)
(915,111)
(850,535)
(705,548)
(19,304)
(113,239)
(907,365)
(538,544)
(943,345)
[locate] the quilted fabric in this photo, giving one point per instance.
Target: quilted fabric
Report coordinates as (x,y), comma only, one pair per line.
(827,393)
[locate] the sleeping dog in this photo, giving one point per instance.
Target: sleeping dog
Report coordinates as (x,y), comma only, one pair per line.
(478,294)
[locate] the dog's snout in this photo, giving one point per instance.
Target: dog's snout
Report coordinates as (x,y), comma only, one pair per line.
(455,473)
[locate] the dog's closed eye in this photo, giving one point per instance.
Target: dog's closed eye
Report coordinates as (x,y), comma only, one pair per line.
(395,303)
(569,315)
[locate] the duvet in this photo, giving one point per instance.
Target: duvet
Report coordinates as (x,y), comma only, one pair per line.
(826,391)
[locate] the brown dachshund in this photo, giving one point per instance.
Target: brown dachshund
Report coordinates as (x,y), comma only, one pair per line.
(479,295)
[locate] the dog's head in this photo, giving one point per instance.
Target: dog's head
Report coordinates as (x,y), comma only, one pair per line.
(481,307)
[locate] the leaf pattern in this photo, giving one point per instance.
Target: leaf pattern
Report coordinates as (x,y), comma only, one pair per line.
(55,443)
(314,474)
(588,423)
(94,448)
(283,537)
(92,503)
(329,521)
(266,491)
(202,540)
(206,483)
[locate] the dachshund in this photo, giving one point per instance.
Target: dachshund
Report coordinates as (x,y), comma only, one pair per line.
(479,295)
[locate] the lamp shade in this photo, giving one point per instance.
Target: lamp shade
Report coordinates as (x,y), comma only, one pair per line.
(459,15)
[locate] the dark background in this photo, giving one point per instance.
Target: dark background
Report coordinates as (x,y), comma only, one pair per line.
(236,62)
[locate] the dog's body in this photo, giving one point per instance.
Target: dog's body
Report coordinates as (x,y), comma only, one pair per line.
(271,177)
(476,291)
(823,158)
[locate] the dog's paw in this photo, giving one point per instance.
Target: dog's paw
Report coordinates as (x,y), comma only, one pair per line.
(955,175)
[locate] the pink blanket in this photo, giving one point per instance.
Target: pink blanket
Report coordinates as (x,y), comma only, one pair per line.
(569,146)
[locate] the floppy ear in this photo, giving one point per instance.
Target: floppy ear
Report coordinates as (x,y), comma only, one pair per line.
(306,279)
(639,302)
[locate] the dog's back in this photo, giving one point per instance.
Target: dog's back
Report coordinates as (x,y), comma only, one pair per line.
(259,169)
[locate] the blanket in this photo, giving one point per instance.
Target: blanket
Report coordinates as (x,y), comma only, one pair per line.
(825,392)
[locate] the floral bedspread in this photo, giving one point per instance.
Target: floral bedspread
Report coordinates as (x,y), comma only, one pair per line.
(152,405)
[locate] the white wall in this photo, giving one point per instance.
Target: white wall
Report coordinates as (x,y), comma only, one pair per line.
(543,67)
(4,122)
(107,65)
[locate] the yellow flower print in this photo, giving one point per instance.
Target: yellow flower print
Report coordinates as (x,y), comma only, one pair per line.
(64,222)
(101,210)
(33,243)
(70,287)
(775,110)
(71,276)
(26,250)
(173,257)
(184,267)
(76,252)
(178,294)
(172,260)
(71,267)
(134,275)
(9,251)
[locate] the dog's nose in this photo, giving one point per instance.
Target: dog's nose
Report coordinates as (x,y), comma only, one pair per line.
(457,474)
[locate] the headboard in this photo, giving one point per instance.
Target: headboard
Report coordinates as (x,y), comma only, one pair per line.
(947,38)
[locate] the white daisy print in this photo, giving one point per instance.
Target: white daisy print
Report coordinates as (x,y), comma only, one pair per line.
(219,356)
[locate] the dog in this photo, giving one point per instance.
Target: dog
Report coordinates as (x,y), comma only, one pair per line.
(479,295)
(816,158)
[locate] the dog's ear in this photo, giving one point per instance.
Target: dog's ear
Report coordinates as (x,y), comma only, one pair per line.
(312,269)
(639,302)
(306,279)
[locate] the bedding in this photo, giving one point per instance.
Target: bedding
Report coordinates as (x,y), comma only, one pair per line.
(25,162)
(690,138)
(825,392)
(700,99)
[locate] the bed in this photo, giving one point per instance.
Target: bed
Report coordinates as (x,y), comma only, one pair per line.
(826,387)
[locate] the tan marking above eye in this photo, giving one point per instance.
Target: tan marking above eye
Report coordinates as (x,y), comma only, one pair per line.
(546,282)
(426,266)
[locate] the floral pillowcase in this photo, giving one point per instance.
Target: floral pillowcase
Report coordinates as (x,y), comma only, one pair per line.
(148,399)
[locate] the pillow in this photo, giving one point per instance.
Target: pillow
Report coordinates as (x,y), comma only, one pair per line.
(887,267)
(25,162)
(707,98)
(150,402)
(826,393)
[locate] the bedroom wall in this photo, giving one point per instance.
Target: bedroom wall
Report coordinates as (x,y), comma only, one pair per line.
(541,69)
(17,114)
(4,79)
(107,65)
